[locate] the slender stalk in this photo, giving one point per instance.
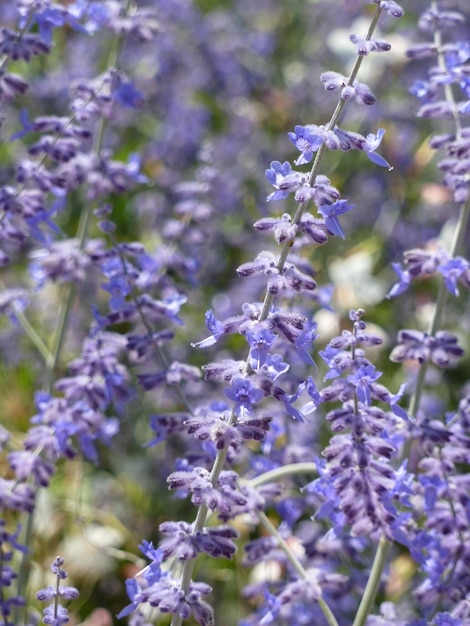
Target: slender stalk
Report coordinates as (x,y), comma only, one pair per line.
(31,332)
(373,582)
(293,469)
(296,564)
(201,517)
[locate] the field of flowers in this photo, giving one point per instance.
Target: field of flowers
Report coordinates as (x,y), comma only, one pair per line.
(234,312)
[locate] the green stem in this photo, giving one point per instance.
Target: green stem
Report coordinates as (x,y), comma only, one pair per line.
(296,564)
(293,469)
(373,582)
(31,332)
(201,517)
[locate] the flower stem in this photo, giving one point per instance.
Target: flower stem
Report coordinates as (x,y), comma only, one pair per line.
(296,564)
(373,582)
(284,471)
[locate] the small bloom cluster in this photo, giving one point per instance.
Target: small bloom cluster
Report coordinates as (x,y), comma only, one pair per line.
(62,154)
(426,263)
(59,156)
(56,614)
(440,534)
(8,544)
(155,586)
(358,476)
(452,71)
(97,381)
(442,349)
(308,139)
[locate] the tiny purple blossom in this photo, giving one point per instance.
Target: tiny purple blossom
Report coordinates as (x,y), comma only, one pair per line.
(54,17)
(127,95)
(404,280)
(215,327)
(315,396)
(288,400)
(373,142)
(244,394)
(304,339)
(26,125)
(260,342)
(307,139)
(391,7)
(331,212)
(362,379)
(451,271)
(284,179)
(274,366)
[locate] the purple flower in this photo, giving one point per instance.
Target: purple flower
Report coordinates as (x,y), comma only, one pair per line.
(372,143)
(52,17)
(28,465)
(304,340)
(125,93)
(11,85)
(217,329)
(452,270)
(315,396)
(391,7)
(307,139)
(282,227)
(331,212)
(244,394)
(185,544)
(366,46)
(287,401)
(260,341)
(274,366)
(284,179)
(56,614)
(23,46)
(350,140)
(26,125)
(424,90)
(404,280)
(222,497)
(442,349)
(362,380)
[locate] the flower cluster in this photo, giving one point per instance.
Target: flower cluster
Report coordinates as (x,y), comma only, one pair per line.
(56,614)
